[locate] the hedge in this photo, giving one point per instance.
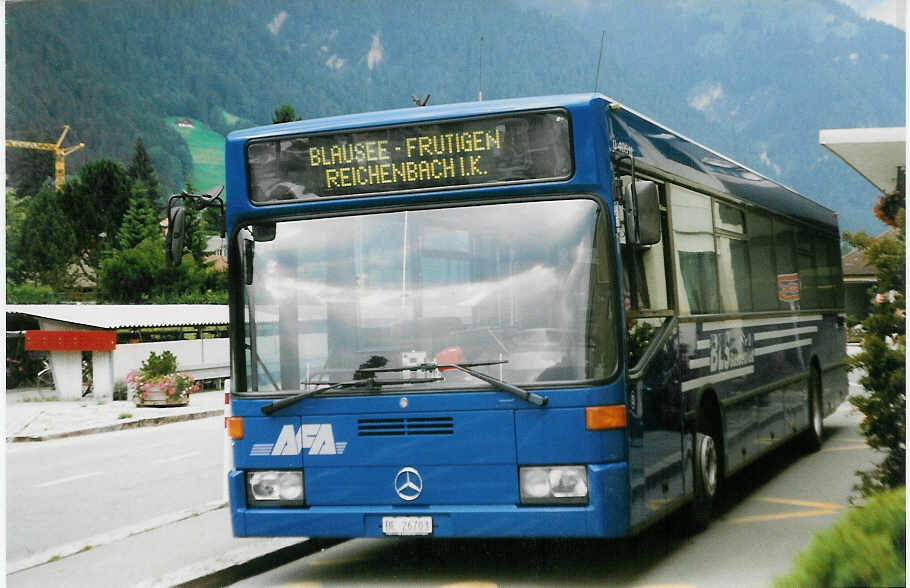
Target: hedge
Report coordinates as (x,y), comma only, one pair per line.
(866,547)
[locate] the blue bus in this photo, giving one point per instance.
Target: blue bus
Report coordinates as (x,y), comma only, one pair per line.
(541,317)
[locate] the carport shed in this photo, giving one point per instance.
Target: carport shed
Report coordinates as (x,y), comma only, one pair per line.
(195,333)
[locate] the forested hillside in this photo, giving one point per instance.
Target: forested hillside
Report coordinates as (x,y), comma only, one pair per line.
(755,80)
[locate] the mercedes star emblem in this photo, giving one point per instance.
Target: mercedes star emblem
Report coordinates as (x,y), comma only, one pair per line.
(408,484)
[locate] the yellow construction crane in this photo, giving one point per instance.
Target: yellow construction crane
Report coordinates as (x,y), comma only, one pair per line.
(59,154)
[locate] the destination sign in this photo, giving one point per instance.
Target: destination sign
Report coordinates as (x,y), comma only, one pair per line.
(516,147)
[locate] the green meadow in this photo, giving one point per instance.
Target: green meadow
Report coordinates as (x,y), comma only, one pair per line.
(207,150)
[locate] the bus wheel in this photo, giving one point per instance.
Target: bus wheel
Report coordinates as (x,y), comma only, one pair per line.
(707,474)
(812,438)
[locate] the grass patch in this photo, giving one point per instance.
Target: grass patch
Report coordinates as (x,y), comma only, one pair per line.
(125,415)
(41,399)
(84,549)
(207,150)
(229,118)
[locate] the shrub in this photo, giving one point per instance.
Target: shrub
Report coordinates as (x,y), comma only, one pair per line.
(159,365)
(866,547)
(121,392)
(30,294)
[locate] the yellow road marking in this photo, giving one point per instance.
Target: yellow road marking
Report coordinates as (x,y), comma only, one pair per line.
(847,448)
(795,502)
(783,515)
(815,509)
(658,503)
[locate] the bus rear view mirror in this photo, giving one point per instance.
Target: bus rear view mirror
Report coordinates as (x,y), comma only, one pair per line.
(263,232)
(176,233)
(643,213)
(648,211)
(248,249)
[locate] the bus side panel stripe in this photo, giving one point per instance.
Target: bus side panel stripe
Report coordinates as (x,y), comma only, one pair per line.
(731,324)
(782,346)
(718,377)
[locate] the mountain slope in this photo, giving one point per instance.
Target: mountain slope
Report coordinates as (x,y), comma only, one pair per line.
(754,80)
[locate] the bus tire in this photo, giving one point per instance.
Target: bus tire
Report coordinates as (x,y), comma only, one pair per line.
(706,473)
(812,438)
(707,468)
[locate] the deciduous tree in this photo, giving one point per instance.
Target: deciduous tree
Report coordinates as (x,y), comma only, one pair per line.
(45,245)
(284,113)
(95,202)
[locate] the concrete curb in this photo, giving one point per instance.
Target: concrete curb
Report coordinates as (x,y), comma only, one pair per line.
(126,424)
(238,564)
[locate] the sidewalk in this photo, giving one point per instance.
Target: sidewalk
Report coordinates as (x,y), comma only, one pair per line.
(195,546)
(197,550)
(30,416)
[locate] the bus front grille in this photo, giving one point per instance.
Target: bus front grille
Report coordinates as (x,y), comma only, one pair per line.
(397,427)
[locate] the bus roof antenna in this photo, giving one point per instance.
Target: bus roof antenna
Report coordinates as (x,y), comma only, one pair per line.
(420,102)
(599,56)
(480,88)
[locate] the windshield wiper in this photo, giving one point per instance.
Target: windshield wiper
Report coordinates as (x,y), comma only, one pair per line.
(526,395)
(369,383)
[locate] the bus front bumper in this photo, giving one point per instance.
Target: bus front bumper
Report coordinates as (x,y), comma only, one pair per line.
(605,515)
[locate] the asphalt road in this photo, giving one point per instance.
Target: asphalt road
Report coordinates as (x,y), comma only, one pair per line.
(67,490)
(769,513)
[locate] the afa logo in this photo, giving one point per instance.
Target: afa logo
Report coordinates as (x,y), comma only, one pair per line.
(318,439)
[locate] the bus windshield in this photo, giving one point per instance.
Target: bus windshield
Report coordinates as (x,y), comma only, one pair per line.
(530,284)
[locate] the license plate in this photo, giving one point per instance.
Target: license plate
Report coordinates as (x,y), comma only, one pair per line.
(403,526)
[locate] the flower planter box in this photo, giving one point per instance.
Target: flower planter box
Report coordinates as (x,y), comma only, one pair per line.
(157,398)
(157,383)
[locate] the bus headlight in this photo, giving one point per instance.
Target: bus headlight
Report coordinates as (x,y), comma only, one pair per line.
(553,484)
(274,488)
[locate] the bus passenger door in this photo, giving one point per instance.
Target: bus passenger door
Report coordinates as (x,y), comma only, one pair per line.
(654,394)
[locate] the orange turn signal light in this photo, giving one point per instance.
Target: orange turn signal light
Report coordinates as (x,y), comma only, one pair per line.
(598,418)
(235,427)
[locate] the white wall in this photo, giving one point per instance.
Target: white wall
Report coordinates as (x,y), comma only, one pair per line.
(190,354)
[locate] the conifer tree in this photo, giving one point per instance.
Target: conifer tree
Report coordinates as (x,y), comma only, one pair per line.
(141,168)
(140,221)
(884,350)
(194,234)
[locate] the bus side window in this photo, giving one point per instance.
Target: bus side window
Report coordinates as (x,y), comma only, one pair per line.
(761,262)
(696,263)
(828,271)
(784,246)
(734,276)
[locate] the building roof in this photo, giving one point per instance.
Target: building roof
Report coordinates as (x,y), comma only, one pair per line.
(875,153)
(122,316)
(856,267)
